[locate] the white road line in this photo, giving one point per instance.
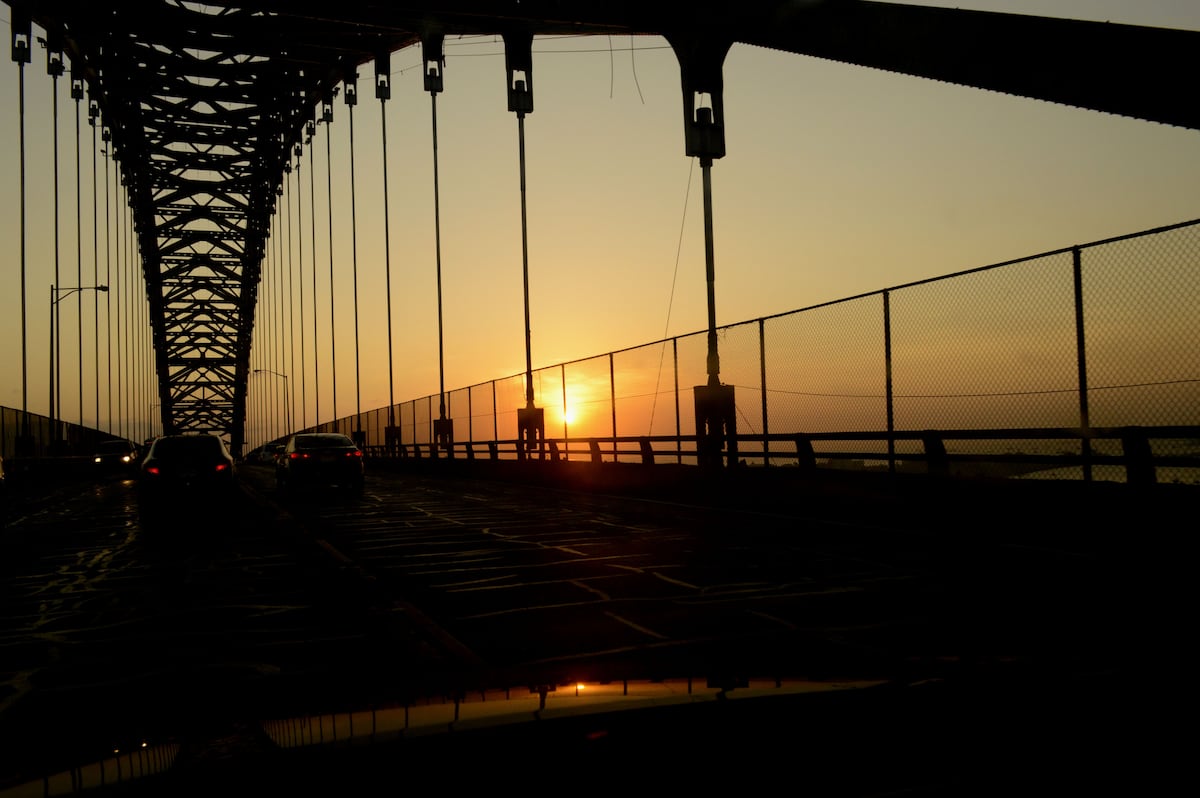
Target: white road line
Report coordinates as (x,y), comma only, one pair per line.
(603,596)
(635,626)
(676,582)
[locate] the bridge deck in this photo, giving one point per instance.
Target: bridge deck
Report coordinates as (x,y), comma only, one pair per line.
(1021,605)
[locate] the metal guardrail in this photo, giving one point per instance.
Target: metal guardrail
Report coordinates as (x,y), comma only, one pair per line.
(1133,454)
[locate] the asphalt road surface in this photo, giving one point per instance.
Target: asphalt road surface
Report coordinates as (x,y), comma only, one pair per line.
(994,623)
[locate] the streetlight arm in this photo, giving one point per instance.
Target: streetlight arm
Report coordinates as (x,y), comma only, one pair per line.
(59,294)
(287,406)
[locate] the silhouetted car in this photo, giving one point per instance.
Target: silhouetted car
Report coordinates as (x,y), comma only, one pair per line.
(116,457)
(180,470)
(326,459)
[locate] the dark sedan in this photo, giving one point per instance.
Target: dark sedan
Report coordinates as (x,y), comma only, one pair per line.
(184,473)
(319,459)
(119,457)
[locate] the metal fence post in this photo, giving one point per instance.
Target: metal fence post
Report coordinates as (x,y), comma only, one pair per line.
(678,429)
(612,402)
(890,398)
(762,368)
(1081,363)
(1138,457)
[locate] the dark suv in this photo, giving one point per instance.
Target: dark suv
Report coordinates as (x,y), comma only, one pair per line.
(319,459)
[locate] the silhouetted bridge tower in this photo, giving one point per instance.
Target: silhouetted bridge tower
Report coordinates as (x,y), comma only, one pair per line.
(203,106)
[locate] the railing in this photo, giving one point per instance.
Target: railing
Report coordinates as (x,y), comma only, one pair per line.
(46,437)
(1136,455)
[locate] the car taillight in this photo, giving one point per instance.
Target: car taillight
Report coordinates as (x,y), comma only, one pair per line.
(297,456)
(355,453)
(222,466)
(152,470)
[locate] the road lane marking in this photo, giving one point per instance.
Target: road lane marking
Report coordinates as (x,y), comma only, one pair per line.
(635,626)
(604,596)
(676,582)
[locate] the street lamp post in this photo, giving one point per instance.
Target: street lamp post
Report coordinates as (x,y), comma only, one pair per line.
(57,294)
(287,407)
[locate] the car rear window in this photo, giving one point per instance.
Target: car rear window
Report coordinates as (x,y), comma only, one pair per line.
(200,443)
(323,442)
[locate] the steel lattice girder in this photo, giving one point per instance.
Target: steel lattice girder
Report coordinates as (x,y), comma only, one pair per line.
(206,101)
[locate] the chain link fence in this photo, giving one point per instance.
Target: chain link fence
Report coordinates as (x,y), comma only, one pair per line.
(1097,335)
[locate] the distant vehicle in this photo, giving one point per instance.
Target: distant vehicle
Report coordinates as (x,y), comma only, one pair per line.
(116,457)
(181,471)
(270,453)
(324,459)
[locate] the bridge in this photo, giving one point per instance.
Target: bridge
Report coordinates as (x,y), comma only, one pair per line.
(874,562)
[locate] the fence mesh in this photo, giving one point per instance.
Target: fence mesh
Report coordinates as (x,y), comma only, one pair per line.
(988,349)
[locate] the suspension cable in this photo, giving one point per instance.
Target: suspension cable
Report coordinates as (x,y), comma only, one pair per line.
(54,67)
(687,193)
(77,95)
(437,239)
(278,356)
(137,337)
(144,341)
(119,288)
(300,281)
(266,342)
(93,110)
(136,299)
(291,290)
(108,243)
(312,213)
(140,319)
(327,118)
(130,298)
(525,265)
(26,433)
(275,357)
(351,94)
(116,288)
(275,297)
(383,92)
(131,335)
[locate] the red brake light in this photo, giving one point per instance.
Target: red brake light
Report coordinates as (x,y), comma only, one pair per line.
(355,453)
(222,466)
(152,470)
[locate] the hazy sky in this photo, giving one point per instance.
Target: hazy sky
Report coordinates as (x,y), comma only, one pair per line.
(838,180)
